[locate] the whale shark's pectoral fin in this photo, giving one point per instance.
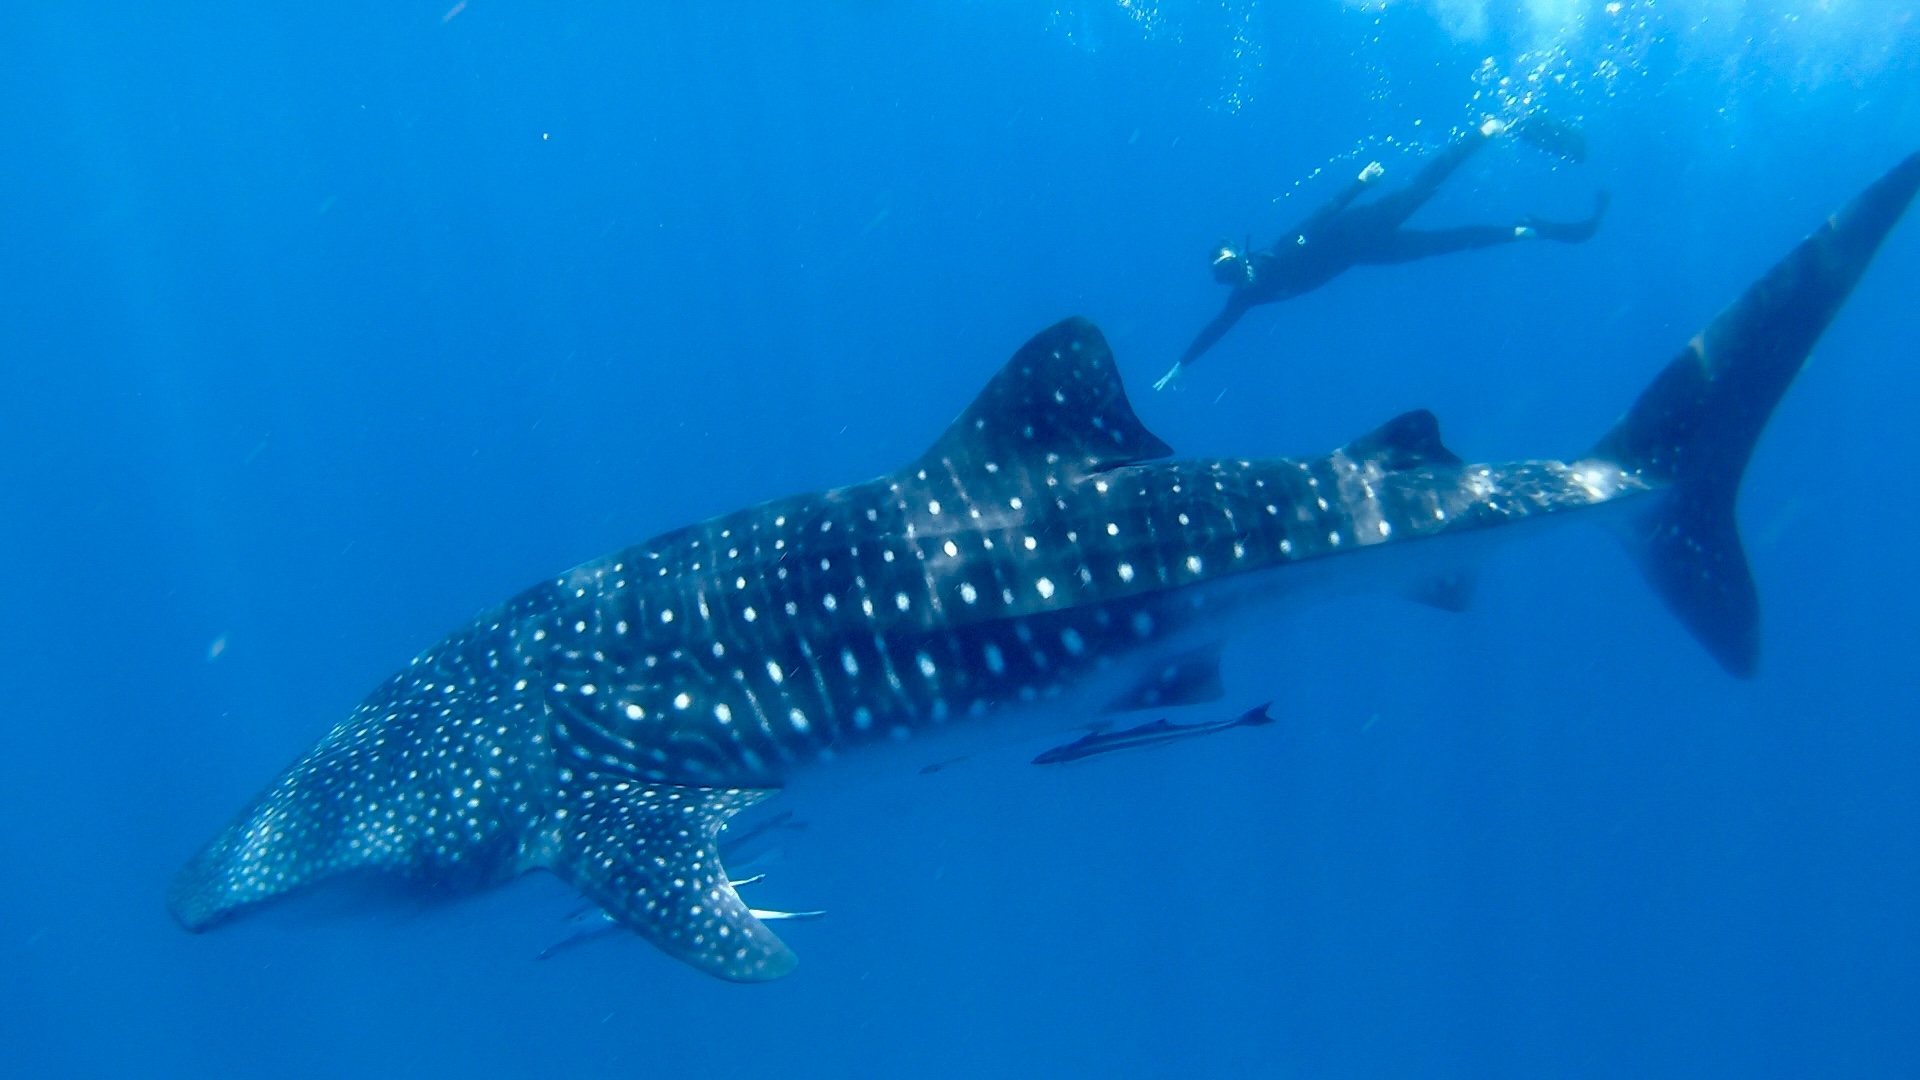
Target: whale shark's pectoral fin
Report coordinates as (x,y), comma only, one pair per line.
(646,853)
(1191,678)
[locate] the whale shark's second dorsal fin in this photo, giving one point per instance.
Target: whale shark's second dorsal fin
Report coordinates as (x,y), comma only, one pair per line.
(1407,441)
(1058,402)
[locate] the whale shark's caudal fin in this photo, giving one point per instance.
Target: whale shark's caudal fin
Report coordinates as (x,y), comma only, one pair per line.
(1694,428)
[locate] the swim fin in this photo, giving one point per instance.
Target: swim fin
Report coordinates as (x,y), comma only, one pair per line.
(1556,137)
(1570,232)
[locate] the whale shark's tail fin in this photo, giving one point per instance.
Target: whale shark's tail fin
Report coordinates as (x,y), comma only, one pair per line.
(1694,428)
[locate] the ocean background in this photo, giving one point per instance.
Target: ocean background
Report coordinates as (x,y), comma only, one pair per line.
(324,326)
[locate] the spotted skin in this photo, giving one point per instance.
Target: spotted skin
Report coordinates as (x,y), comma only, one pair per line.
(433,779)
(735,651)
(604,724)
(648,855)
(1035,545)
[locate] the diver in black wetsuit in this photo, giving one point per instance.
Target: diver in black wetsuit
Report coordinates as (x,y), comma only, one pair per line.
(1336,237)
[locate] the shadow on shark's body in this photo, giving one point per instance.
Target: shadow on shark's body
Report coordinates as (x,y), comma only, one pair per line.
(604,724)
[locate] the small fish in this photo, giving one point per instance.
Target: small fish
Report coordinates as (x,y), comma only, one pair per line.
(595,925)
(765,841)
(1158,733)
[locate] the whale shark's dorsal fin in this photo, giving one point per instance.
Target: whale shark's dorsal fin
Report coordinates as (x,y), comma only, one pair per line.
(1407,441)
(648,855)
(1060,395)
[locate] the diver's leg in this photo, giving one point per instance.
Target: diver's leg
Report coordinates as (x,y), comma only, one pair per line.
(1406,245)
(1395,207)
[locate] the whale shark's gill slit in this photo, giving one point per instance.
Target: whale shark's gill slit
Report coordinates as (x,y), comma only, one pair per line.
(648,855)
(581,740)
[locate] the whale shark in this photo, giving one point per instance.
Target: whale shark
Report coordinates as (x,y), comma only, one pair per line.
(1045,558)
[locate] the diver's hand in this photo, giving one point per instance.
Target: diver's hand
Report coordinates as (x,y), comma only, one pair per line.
(1372,172)
(1172,376)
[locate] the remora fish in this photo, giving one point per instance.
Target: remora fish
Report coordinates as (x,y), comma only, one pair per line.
(1157,733)
(603,724)
(741,847)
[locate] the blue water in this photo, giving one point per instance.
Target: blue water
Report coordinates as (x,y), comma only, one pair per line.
(327,325)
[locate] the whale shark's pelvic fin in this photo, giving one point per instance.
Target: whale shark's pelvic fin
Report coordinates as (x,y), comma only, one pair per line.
(1059,395)
(1452,591)
(1695,427)
(1190,678)
(647,854)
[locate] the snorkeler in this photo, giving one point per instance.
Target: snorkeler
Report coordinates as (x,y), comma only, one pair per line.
(1336,237)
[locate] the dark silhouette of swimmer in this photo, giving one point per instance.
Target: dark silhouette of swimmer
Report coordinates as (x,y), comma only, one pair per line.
(1339,235)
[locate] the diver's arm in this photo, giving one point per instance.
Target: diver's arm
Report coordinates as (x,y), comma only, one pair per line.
(1209,334)
(1345,198)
